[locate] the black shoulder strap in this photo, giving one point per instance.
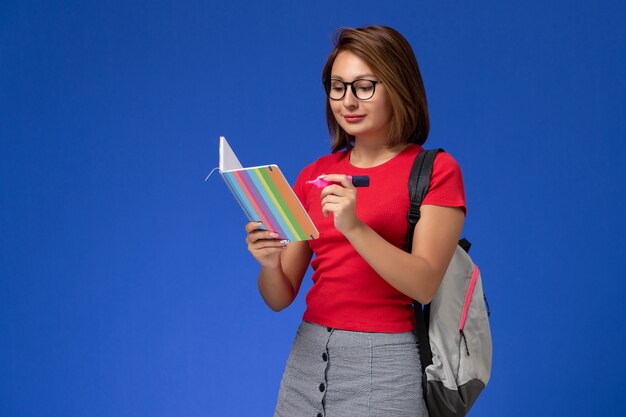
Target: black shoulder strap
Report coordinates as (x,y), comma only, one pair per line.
(419,182)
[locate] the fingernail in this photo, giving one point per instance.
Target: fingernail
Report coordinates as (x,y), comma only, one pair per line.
(274,235)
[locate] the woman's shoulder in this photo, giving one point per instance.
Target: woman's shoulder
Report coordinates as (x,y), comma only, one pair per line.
(444,160)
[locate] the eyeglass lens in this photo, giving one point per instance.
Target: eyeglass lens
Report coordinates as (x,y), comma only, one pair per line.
(362,89)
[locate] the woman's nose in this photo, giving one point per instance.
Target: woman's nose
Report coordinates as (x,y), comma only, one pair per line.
(349,100)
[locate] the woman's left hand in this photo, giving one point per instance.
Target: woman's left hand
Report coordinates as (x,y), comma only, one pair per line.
(340,200)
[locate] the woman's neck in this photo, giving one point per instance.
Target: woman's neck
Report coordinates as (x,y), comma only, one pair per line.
(368,155)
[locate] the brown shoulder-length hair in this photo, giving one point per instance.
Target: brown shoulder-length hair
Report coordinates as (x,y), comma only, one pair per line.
(392,59)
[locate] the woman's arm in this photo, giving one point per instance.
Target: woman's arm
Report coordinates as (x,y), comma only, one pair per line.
(417,274)
(282,266)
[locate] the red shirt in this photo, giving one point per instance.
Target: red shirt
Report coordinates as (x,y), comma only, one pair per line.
(347,293)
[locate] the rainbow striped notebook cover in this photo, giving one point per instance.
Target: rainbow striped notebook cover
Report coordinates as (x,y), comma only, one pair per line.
(265,195)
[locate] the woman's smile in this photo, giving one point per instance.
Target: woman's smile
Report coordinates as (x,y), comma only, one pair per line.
(353,118)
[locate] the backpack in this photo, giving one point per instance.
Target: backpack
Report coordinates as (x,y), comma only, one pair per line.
(452,331)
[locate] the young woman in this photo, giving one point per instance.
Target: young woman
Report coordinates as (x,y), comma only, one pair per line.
(355,353)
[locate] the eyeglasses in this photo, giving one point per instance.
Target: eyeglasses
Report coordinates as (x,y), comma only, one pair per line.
(361,88)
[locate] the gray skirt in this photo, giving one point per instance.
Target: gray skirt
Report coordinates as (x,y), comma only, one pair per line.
(338,373)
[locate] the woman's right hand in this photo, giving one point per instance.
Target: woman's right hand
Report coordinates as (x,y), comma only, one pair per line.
(264,245)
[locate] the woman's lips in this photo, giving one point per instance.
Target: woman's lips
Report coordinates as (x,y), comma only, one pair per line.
(353,118)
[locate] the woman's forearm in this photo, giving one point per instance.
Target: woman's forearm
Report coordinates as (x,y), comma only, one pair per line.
(279,283)
(417,274)
(410,274)
(275,288)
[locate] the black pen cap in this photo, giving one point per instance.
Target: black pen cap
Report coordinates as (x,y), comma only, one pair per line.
(361,181)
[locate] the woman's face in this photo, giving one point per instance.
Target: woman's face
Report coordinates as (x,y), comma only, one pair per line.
(363,119)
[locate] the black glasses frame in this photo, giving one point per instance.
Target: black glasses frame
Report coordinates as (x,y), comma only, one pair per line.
(352,87)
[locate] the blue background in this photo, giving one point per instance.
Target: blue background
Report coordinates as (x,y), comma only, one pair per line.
(125,285)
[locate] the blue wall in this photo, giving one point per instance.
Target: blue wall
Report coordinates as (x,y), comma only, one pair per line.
(125,284)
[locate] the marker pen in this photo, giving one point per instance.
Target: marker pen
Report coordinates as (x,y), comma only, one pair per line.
(357,181)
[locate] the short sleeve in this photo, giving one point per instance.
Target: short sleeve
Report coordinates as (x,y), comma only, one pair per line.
(446,184)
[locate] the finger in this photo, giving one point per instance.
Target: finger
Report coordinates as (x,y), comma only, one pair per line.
(267,249)
(253,226)
(329,208)
(331,199)
(324,210)
(264,245)
(266,253)
(334,190)
(339,178)
(257,235)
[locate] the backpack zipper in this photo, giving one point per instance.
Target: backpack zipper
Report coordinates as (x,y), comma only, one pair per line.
(487,305)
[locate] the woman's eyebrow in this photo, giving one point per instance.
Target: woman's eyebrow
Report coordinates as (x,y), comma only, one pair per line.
(358,77)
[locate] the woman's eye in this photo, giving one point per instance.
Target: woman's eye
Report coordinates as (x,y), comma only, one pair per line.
(364,87)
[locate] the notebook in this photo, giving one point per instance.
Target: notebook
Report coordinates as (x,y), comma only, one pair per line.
(265,195)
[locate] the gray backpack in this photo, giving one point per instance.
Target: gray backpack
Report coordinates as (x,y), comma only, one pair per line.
(453,330)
